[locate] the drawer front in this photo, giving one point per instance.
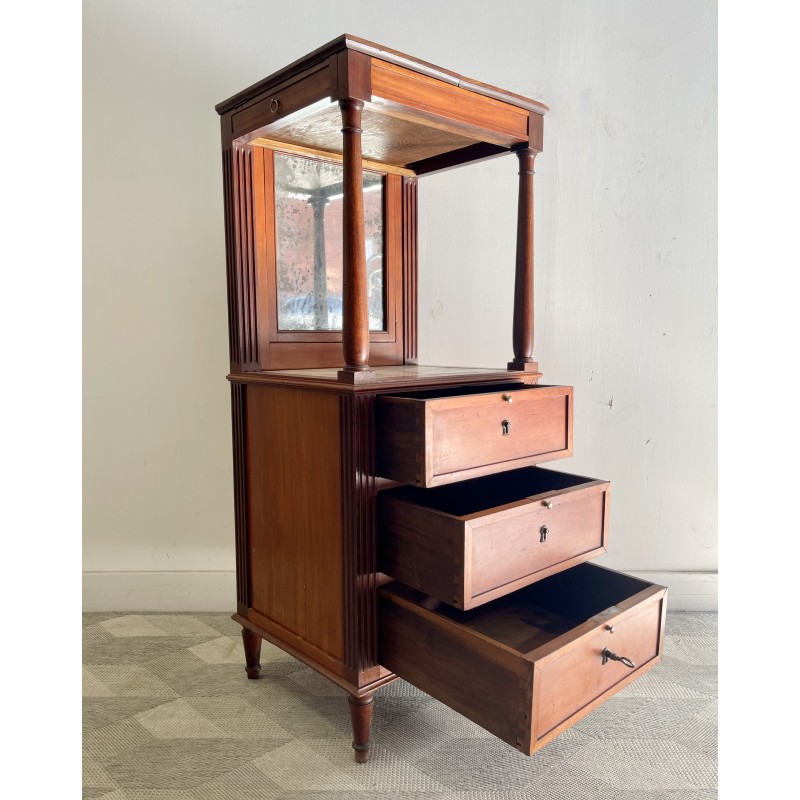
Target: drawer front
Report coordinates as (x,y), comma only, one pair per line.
(529,665)
(436,438)
(471,542)
(299,95)
(515,547)
(475,434)
(636,637)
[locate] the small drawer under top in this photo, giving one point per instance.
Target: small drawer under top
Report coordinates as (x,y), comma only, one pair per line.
(429,438)
(473,541)
(529,665)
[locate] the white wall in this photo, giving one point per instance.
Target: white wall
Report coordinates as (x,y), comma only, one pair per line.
(625,263)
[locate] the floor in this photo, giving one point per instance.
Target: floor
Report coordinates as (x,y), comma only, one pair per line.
(170,715)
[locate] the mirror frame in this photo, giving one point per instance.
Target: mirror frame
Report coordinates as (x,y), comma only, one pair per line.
(281,349)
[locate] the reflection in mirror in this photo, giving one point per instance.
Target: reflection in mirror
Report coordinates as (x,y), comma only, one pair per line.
(308,234)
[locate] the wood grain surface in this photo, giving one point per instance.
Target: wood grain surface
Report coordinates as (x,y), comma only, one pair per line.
(295,534)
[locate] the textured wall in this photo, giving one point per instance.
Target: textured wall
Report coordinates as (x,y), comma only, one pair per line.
(625,256)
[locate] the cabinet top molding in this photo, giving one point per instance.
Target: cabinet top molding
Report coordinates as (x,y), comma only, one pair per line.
(373,50)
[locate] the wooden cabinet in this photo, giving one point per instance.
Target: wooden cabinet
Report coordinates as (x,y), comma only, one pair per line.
(390,519)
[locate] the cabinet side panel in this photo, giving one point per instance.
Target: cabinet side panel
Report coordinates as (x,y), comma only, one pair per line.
(294,509)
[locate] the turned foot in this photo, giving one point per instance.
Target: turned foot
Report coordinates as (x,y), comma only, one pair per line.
(252,653)
(361,717)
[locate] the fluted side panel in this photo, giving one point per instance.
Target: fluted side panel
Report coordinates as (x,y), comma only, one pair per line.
(237,168)
(410,270)
(358,532)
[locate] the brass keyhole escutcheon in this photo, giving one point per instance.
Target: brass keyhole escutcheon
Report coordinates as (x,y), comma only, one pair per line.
(506,427)
(543,531)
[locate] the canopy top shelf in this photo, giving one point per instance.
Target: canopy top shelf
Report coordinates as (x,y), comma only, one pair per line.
(416,117)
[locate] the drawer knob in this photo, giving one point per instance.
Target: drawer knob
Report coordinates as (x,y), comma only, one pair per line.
(508,398)
(610,628)
(274,105)
(547,503)
(506,427)
(543,531)
(609,656)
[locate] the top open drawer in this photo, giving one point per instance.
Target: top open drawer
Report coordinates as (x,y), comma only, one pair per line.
(429,438)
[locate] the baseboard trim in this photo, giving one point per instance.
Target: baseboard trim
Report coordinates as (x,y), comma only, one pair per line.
(688,591)
(159,591)
(216,591)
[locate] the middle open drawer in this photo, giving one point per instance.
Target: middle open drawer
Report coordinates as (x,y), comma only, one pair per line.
(473,541)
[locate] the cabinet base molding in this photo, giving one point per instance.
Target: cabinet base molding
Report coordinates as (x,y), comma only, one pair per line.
(349,685)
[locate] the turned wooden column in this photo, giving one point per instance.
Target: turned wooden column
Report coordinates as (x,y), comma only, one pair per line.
(523,282)
(355,319)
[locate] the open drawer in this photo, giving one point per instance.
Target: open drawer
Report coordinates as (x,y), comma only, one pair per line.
(438,436)
(530,664)
(470,542)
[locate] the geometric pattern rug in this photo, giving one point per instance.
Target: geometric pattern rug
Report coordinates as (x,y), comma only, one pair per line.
(170,715)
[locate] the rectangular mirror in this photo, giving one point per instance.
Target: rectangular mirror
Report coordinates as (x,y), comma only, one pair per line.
(308,237)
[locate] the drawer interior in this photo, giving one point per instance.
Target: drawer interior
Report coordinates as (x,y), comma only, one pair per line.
(475,495)
(531,617)
(460,391)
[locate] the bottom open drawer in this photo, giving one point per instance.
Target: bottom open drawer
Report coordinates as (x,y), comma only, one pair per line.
(532,663)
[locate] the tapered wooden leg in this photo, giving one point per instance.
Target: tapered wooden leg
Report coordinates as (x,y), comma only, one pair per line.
(252,653)
(361,717)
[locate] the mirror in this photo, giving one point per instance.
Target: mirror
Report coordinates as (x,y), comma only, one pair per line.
(308,237)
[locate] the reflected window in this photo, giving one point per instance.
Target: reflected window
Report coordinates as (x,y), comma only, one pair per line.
(308,232)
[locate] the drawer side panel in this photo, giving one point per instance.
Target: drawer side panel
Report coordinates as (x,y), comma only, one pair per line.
(421,548)
(399,437)
(483,681)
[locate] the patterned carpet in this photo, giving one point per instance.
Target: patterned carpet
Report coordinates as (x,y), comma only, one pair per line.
(170,715)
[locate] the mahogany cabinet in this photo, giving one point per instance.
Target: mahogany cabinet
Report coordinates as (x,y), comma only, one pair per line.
(391,519)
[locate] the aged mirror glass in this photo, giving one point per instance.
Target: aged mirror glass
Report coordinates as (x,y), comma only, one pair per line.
(308,233)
